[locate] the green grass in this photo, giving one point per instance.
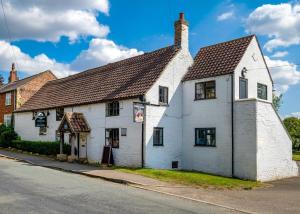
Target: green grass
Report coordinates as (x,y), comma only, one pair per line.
(195,179)
(296,156)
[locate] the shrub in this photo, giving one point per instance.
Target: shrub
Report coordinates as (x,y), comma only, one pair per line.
(7,134)
(44,148)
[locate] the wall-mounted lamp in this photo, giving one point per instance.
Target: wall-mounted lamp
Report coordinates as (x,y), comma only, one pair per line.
(244,71)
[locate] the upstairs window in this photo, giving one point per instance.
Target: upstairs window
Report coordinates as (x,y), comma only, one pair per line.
(163,95)
(158,136)
(262,91)
(59,114)
(8,99)
(205,90)
(205,137)
(243,88)
(112,109)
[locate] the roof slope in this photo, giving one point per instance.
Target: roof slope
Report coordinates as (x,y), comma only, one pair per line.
(128,78)
(218,59)
(16,84)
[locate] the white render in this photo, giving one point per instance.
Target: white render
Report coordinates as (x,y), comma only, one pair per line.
(261,150)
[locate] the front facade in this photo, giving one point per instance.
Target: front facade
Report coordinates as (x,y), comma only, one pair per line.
(212,114)
(16,92)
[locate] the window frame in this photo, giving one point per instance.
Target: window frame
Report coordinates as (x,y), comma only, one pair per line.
(165,97)
(161,138)
(59,113)
(8,99)
(266,87)
(205,138)
(5,116)
(205,88)
(246,81)
(114,110)
(108,137)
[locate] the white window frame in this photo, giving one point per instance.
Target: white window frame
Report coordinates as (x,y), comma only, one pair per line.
(8,99)
(7,119)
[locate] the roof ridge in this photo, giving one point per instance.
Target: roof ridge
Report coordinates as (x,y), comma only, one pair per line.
(229,41)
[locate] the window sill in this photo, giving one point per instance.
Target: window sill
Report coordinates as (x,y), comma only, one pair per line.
(205,99)
(163,104)
(112,115)
(204,146)
(158,145)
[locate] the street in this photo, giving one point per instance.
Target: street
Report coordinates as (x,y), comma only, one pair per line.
(25,188)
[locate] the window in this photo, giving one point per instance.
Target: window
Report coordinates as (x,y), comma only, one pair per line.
(262,91)
(205,90)
(112,137)
(8,99)
(43,130)
(158,136)
(163,95)
(243,88)
(59,114)
(112,109)
(205,137)
(7,119)
(123,131)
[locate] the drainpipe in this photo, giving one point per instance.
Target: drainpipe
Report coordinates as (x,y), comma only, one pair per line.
(232,125)
(78,149)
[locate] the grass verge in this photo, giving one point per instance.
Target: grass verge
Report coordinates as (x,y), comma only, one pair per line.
(296,156)
(196,179)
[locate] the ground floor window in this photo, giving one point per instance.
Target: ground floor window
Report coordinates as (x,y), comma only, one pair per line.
(43,131)
(205,137)
(7,119)
(158,136)
(112,137)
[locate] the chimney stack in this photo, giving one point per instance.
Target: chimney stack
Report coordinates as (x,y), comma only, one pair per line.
(13,74)
(182,33)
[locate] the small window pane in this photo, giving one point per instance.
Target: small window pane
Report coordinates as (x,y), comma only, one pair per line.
(262,91)
(243,88)
(8,99)
(199,94)
(205,90)
(157,136)
(163,95)
(112,109)
(205,137)
(210,90)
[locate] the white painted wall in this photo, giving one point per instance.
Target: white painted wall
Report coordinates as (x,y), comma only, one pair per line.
(170,117)
(129,151)
(212,113)
(256,71)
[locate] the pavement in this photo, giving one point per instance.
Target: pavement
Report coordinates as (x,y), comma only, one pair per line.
(279,197)
(26,188)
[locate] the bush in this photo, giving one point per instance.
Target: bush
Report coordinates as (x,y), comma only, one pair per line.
(43,148)
(7,134)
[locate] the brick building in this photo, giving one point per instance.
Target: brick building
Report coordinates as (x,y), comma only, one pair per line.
(16,92)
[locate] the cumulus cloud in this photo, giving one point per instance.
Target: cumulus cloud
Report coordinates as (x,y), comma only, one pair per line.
(225,16)
(281,23)
(284,74)
(280,54)
(295,114)
(100,52)
(46,20)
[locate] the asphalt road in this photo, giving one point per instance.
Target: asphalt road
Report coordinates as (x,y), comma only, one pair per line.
(25,188)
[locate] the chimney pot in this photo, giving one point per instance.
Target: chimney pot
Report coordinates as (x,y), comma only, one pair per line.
(13,74)
(181,16)
(181,32)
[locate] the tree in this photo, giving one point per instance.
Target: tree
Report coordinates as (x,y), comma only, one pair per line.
(292,124)
(277,101)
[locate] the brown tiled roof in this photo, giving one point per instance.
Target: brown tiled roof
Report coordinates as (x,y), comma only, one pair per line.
(76,122)
(128,78)
(218,59)
(16,84)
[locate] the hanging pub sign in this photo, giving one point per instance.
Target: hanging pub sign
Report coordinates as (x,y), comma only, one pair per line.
(138,112)
(41,120)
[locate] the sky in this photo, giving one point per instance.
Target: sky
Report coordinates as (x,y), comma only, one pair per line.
(71,36)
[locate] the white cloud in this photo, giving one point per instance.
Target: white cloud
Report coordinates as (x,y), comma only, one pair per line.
(284,74)
(46,20)
(225,16)
(281,23)
(295,114)
(279,54)
(100,52)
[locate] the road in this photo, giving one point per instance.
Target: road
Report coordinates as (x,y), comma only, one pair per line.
(25,188)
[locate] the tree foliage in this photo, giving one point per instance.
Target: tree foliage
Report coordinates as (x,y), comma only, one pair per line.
(293,126)
(277,101)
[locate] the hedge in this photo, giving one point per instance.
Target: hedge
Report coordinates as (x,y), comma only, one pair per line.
(43,148)
(7,134)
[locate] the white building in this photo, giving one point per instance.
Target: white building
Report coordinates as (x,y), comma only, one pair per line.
(213,115)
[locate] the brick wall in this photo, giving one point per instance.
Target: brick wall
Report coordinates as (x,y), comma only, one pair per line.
(5,109)
(27,90)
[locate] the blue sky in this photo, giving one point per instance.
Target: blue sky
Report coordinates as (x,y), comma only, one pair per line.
(43,35)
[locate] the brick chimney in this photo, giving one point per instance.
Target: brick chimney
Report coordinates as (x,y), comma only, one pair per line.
(13,74)
(182,32)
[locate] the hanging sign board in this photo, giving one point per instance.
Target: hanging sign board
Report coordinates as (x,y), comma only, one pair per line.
(41,120)
(138,112)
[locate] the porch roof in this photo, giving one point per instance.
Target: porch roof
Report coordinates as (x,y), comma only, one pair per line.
(76,122)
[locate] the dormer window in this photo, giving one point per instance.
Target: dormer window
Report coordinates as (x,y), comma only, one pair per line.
(112,109)
(163,95)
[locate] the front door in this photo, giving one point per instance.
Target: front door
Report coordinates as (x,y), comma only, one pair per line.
(82,145)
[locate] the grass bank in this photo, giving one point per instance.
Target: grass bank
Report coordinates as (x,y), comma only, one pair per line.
(195,179)
(296,156)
